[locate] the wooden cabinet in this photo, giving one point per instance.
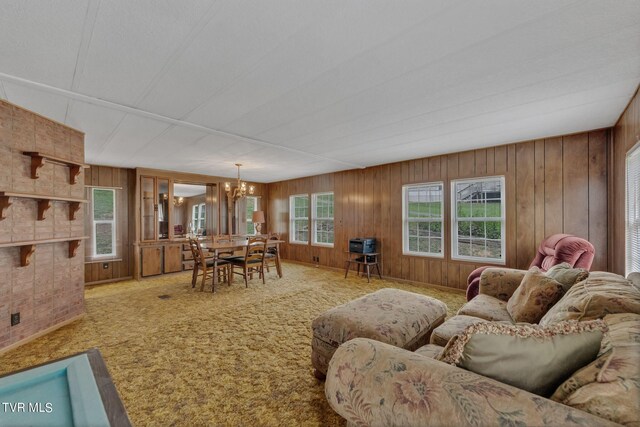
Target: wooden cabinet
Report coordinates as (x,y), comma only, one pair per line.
(172,258)
(151,260)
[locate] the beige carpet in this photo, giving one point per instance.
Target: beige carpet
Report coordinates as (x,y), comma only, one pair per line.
(236,357)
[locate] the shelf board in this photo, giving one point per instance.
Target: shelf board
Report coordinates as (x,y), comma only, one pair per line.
(38,160)
(44,203)
(27,248)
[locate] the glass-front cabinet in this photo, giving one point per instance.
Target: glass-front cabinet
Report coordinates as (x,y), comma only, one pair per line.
(154,208)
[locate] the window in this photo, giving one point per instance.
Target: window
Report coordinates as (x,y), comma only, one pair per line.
(103,227)
(299,218)
(632,217)
(422,215)
(478,216)
(198,217)
(323,219)
(253,204)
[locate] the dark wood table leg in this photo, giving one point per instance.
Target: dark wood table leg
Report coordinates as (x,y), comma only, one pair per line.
(278,267)
(378,268)
(346,269)
(368,273)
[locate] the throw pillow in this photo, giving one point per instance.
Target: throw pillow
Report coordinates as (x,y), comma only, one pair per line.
(600,294)
(536,294)
(529,357)
(566,275)
(609,387)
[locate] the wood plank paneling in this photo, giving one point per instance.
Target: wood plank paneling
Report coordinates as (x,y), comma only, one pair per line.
(548,191)
(575,183)
(626,134)
(125,233)
(525,202)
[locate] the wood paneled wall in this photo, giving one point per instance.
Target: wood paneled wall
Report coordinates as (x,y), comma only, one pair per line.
(626,134)
(49,291)
(106,176)
(554,185)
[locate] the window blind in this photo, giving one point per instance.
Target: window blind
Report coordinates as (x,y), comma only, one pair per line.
(632,229)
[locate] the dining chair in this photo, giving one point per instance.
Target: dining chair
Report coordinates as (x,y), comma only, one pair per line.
(271,255)
(209,267)
(252,261)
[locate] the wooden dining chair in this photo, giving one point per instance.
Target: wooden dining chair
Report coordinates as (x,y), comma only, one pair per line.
(252,261)
(209,267)
(271,257)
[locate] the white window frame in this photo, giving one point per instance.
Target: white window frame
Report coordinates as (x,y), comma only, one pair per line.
(632,211)
(196,220)
(292,219)
(95,222)
(405,221)
(249,218)
(454,221)
(315,218)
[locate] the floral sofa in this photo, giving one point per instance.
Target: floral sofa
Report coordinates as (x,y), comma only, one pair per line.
(372,383)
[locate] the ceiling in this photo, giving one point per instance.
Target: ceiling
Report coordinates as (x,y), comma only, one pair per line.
(294,88)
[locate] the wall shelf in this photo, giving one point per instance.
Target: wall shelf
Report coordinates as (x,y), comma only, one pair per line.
(27,248)
(38,160)
(44,203)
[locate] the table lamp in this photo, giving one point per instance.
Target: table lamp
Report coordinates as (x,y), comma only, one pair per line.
(258,220)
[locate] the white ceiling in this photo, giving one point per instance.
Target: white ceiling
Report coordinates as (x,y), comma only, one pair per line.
(293,88)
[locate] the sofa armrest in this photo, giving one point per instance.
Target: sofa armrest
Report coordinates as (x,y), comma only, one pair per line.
(370,383)
(500,282)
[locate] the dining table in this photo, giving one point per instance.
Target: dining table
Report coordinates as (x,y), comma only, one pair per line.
(238,244)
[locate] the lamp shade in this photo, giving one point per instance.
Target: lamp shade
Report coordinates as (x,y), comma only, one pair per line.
(258,217)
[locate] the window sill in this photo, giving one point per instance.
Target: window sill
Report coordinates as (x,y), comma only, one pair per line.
(423,255)
(102,260)
(298,243)
(477,260)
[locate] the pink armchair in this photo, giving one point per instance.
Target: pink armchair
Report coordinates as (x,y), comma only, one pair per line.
(553,250)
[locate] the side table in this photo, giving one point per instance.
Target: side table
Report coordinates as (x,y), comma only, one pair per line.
(364,260)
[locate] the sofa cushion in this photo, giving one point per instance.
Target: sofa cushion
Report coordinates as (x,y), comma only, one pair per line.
(430,350)
(453,326)
(566,275)
(530,357)
(609,387)
(599,294)
(486,307)
(536,294)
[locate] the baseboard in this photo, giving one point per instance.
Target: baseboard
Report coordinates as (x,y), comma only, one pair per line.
(41,333)
(102,282)
(410,282)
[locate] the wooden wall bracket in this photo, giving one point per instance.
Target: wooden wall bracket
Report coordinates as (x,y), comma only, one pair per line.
(74,171)
(4,204)
(74,207)
(36,163)
(43,206)
(73,247)
(25,254)
(38,160)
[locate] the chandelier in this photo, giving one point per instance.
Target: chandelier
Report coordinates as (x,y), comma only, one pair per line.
(178,201)
(240,190)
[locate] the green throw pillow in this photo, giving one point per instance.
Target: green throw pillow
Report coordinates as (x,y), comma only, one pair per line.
(566,275)
(530,357)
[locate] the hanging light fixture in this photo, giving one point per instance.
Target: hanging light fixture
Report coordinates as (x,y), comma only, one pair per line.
(240,190)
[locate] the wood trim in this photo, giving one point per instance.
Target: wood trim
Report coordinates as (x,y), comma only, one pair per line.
(40,334)
(104,282)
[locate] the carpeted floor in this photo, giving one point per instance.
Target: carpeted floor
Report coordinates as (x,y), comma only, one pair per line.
(237,357)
